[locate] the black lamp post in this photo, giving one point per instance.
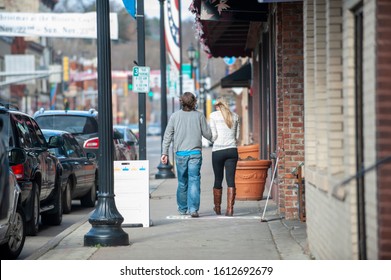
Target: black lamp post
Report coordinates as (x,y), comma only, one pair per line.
(26,95)
(106,220)
(203,94)
(191,54)
(180,52)
(36,100)
(165,171)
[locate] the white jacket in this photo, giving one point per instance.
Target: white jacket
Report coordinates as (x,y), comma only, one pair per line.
(224,137)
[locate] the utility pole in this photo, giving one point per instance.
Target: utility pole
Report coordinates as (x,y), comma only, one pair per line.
(165,171)
(142,121)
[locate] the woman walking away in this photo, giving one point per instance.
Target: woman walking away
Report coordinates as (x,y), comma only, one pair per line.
(185,129)
(225,134)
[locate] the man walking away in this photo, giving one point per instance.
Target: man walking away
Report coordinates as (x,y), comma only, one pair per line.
(185,130)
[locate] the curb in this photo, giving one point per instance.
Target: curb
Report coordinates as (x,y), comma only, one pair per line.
(51,244)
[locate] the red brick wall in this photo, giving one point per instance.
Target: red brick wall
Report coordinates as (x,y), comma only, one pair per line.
(383,121)
(290,102)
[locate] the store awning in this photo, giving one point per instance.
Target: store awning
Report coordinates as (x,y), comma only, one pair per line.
(239,78)
(226,28)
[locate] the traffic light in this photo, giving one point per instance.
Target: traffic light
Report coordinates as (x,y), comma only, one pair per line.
(130,82)
(150,95)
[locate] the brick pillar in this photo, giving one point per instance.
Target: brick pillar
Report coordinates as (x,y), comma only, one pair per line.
(290,103)
(383,117)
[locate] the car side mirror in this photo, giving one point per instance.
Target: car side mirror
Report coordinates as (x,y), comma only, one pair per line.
(117,135)
(91,156)
(55,142)
(17,156)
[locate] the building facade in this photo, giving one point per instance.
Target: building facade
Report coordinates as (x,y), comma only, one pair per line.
(319,97)
(347,128)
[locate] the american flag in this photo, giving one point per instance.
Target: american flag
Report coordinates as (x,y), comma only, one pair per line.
(171,27)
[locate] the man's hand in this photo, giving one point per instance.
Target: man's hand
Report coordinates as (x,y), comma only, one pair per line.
(164,159)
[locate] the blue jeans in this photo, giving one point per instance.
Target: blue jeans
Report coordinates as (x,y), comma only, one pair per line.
(189,181)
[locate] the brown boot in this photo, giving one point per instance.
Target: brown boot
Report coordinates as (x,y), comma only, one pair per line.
(230,201)
(217,200)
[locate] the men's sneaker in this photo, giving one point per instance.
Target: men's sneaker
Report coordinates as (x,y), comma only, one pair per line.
(182,213)
(195,214)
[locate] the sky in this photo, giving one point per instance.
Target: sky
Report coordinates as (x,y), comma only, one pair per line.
(152,8)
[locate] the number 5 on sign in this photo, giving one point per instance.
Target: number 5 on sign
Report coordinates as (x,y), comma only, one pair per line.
(141,79)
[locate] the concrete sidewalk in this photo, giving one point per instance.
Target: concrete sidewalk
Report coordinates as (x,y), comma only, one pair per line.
(175,237)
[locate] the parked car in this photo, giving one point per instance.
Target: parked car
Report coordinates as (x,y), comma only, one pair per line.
(135,129)
(80,175)
(121,151)
(130,139)
(82,124)
(39,176)
(154,129)
(12,218)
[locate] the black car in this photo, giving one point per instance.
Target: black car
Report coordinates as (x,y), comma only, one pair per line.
(79,175)
(83,125)
(39,176)
(12,218)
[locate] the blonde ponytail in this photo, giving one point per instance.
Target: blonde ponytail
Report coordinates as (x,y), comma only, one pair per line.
(225,111)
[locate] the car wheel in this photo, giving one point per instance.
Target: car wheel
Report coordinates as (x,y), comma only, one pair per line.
(54,218)
(12,249)
(89,199)
(67,198)
(33,224)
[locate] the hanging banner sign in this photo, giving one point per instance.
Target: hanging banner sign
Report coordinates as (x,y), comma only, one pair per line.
(130,6)
(64,25)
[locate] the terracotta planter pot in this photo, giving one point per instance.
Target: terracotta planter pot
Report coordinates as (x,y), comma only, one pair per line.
(250,179)
(248,151)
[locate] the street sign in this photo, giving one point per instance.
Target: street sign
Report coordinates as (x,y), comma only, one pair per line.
(229,60)
(141,79)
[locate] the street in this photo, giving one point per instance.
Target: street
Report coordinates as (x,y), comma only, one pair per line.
(46,233)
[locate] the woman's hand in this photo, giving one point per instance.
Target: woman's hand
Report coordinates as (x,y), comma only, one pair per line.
(164,159)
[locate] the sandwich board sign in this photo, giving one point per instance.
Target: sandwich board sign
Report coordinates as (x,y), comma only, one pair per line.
(131,189)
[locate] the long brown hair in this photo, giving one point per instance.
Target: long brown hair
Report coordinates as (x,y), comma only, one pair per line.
(222,104)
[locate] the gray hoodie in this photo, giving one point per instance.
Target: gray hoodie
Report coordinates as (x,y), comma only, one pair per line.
(185,129)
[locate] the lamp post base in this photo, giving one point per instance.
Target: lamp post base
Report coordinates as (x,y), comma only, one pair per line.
(106,224)
(106,236)
(165,171)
